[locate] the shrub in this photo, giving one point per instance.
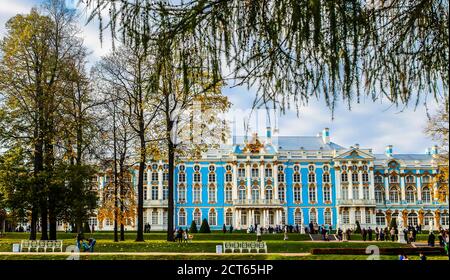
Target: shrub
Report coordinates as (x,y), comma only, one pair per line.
(193,228)
(204,228)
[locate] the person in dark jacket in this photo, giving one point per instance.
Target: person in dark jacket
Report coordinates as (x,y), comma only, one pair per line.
(370,231)
(431,239)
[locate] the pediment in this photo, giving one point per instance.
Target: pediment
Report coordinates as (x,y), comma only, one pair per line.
(354,154)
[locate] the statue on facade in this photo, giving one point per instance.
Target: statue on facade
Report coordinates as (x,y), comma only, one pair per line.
(401,229)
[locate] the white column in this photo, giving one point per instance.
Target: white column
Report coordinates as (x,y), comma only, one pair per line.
(338,183)
(360,185)
(275,180)
(235,183)
(371,185)
(363,215)
(402,186)
(419,187)
(386,185)
(160,183)
(350,184)
(249,180)
(262,195)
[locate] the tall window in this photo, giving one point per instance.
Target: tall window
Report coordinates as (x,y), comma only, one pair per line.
(281,193)
(154,177)
(212,217)
(326,178)
(197,194)
(242,193)
(165,176)
(241,171)
(212,177)
(182,217)
(368,217)
(229,217)
(182,194)
(313,216)
(228,194)
(255,171)
(379,195)
(311,177)
(344,177)
(296,177)
(145,176)
(197,217)
(344,192)
(280,177)
(365,192)
(327,216)
(181,177)
(228,177)
(326,193)
(427,218)
(410,195)
(243,217)
(154,192)
(412,219)
(345,217)
(378,179)
(298,217)
(426,195)
(297,194)
(212,194)
(380,219)
(145,193)
(268,171)
(312,193)
(255,193)
(197,177)
(269,192)
(358,216)
(355,177)
(444,219)
(355,191)
(394,195)
(365,177)
(410,179)
(155,217)
(425,179)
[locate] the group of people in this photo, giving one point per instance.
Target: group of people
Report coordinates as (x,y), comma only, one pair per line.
(85,245)
(181,235)
(147,228)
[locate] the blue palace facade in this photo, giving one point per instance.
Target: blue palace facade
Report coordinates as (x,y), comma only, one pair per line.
(285,180)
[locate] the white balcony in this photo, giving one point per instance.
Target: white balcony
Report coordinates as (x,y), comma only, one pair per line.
(356,202)
(156,203)
(257,202)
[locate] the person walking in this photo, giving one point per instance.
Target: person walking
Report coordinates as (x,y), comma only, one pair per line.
(285,233)
(370,231)
(258,234)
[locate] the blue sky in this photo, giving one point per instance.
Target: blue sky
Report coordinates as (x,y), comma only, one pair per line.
(372,125)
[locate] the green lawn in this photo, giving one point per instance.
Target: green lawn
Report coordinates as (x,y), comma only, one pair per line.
(155,242)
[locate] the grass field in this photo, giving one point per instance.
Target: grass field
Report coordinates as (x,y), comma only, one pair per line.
(202,243)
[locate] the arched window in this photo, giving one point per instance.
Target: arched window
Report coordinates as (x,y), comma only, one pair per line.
(228,193)
(255,193)
(297,194)
(312,194)
(212,168)
(355,192)
(182,167)
(409,179)
(196,168)
(269,193)
(241,171)
(427,218)
(181,194)
(197,194)
(296,168)
(212,177)
(280,168)
(379,195)
(313,216)
(311,168)
(344,177)
(298,217)
(426,179)
(327,216)
(268,171)
(410,195)
(280,177)
(326,168)
(444,219)
(358,216)
(255,171)
(242,193)
(394,195)
(311,177)
(197,217)
(380,219)
(181,217)
(326,177)
(181,177)
(212,217)
(212,194)
(229,217)
(412,219)
(327,193)
(281,193)
(426,195)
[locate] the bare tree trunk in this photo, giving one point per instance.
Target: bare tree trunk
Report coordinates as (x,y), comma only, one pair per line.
(140,206)
(116,239)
